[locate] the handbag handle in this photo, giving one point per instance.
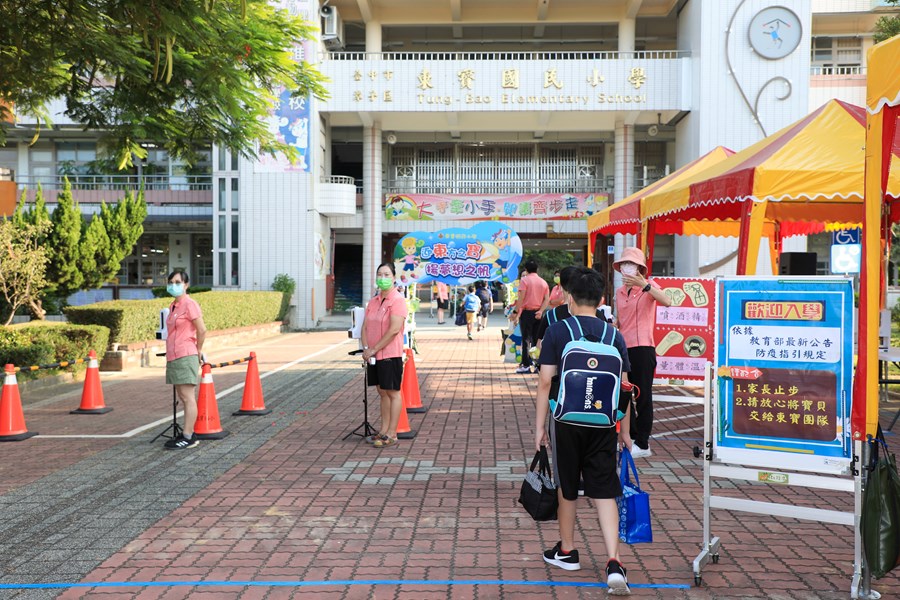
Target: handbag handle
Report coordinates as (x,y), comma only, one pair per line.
(626,464)
(540,457)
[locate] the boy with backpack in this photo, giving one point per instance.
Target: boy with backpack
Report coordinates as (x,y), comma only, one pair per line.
(591,359)
(472,305)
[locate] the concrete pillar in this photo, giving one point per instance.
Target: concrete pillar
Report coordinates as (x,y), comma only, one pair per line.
(22,171)
(624,161)
(373,37)
(373,214)
(626,35)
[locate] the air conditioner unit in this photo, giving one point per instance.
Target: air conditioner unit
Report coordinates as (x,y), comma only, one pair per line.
(332,28)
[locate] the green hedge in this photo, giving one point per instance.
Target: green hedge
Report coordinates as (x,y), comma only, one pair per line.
(161,291)
(45,342)
(132,321)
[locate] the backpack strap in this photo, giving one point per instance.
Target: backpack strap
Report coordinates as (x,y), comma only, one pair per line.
(551,317)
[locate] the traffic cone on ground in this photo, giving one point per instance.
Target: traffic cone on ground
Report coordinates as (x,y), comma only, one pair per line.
(409,388)
(404,432)
(92,394)
(208,426)
(12,420)
(252,402)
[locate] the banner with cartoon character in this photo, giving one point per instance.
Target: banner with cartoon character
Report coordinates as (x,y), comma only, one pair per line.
(488,251)
(684,332)
(475,207)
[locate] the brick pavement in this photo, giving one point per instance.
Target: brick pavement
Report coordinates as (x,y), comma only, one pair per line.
(285,498)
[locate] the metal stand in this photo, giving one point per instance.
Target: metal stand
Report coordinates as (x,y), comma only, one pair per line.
(366,427)
(710,549)
(174,426)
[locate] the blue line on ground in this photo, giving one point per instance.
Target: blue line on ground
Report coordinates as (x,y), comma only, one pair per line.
(112,584)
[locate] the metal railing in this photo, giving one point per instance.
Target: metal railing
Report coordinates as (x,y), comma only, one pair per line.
(486,186)
(846,70)
(507,56)
(118,182)
(342,179)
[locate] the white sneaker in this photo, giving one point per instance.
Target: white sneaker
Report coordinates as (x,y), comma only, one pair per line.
(521,370)
(638,452)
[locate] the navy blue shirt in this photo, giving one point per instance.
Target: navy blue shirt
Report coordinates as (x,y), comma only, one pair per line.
(558,336)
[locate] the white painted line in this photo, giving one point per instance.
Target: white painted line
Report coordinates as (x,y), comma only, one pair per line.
(676,432)
(661,398)
(219,395)
(675,418)
(677,406)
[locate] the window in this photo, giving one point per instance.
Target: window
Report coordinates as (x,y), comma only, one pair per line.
(836,55)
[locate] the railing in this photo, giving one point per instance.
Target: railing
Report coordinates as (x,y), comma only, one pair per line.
(119,182)
(848,70)
(342,179)
(486,186)
(506,56)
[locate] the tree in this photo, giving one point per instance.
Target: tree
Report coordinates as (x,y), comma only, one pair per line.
(38,218)
(64,245)
(176,73)
(122,225)
(23,263)
(889,25)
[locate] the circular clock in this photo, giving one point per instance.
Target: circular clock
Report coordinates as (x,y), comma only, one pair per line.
(775,32)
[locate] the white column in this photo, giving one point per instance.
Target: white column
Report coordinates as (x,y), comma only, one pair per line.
(373,36)
(624,177)
(626,35)
(22,171)
(373,215)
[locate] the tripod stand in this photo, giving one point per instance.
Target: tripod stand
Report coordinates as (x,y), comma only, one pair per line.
(367,428)
(174,426)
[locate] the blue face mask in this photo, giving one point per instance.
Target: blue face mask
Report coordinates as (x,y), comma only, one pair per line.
(175,289)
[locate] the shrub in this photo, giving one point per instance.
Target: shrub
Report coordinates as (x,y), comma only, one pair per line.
(160,291)
(43,342)
(132,321)
(285,284)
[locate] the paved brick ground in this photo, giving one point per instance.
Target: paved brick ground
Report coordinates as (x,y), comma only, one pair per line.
(286,498)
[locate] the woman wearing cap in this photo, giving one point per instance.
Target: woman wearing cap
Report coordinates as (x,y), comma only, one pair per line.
(636,304)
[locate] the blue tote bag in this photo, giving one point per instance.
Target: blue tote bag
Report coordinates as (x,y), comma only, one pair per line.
(634,504)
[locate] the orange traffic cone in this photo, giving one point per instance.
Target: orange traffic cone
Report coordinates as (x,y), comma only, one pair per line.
(409,388)
(12,420)
(252,402)
(208,426)
(92,395)
(404,432)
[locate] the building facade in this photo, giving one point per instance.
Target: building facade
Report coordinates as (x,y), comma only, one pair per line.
(448,112)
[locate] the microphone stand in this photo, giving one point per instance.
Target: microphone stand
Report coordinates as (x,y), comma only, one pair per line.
(174,426)
(367,428)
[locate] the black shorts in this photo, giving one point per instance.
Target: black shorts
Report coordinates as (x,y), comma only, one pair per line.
(483,311)
(386,373)
(587,453)
(443,304)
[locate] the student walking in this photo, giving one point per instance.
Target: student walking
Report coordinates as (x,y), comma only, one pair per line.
(471,304)
(533,292)
(579,452)
(487,303)
(443,301)
(636,302)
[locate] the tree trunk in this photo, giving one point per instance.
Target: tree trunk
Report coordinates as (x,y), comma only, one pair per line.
(37,310)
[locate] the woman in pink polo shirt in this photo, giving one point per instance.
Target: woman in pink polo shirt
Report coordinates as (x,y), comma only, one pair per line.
(185,335)
(636,304)
(382,338)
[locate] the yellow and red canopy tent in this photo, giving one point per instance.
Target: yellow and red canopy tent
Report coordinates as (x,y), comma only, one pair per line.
(881,207)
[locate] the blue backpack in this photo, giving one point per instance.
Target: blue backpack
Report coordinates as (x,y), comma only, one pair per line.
(589,380)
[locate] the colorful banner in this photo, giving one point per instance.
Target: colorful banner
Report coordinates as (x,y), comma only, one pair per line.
(684,332)
(487,251)
(478,207)
(784,366)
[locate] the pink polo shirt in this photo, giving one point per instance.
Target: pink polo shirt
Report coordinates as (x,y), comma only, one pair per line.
(532,288)
(637,315)
(182,338)
(378,321)
(557,295)
(443,292)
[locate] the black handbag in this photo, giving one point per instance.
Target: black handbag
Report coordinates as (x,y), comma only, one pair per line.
(880,520)
(538,494)
(460,317)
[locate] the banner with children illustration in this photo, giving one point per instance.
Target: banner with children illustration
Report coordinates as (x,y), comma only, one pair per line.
(684,332)
(488,251)
(478,207)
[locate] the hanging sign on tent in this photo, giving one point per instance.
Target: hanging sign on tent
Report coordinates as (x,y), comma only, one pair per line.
(784,362)
(684,332)
(488,251)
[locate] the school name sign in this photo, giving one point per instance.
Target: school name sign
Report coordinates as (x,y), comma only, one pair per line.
(392,83)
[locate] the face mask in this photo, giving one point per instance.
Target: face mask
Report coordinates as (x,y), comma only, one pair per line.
(384,283)
(556,280)
(175,289)
(629,269)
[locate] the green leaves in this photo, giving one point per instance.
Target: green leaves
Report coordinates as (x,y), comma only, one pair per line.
(177,73)
(888,26)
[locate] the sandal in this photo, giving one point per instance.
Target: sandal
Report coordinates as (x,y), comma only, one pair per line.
(371,439)
(385,442)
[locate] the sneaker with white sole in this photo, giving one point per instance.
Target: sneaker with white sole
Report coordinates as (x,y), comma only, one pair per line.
(638,452)
(183,443)
(616,580)
(521,370)
(564,560)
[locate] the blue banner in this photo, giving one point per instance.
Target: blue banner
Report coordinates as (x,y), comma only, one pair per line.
(489,251)
(784,366)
